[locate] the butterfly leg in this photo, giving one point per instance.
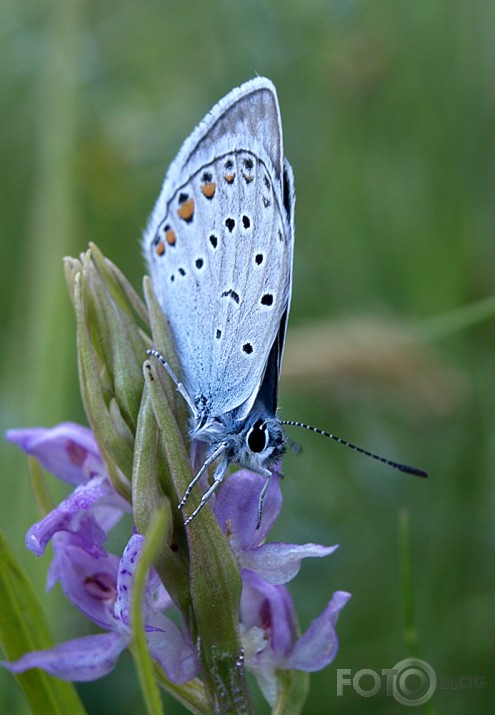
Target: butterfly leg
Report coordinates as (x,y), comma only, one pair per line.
(217,480)
(180,387)
(209,460)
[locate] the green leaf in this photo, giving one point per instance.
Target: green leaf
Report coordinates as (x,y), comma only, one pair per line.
(164,343)
(119,285)
(293,688)
(171,563)
(40,488)
(191,694)
(23,628)
(110,443)
(215,578)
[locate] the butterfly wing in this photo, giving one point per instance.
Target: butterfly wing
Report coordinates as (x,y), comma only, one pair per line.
(219,247)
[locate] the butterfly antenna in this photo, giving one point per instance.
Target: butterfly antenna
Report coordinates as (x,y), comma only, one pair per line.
(396,465)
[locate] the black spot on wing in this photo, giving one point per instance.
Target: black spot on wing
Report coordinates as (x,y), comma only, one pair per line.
(231,294)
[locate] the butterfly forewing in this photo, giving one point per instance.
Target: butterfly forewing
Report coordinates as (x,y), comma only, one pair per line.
(219,246)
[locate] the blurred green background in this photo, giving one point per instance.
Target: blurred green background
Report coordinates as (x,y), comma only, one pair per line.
(389,120)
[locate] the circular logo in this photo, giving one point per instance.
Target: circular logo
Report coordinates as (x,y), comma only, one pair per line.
(414,681)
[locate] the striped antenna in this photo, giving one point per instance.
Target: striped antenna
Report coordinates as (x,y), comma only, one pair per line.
(396,465)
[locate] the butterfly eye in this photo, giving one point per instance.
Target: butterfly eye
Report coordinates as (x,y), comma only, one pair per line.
(257,437)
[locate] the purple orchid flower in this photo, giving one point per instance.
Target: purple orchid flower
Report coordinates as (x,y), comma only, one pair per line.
(102,589)
(268,621)
(236,510)
(70,452)
(269,633)
(67,450)
(101,586)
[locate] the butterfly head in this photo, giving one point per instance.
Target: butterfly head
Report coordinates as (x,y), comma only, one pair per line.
(258,442)
(262,445)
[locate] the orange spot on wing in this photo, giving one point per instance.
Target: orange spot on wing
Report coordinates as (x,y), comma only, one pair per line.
(209,189)
(186,211)
(170,237)
(160,249)
(229,178)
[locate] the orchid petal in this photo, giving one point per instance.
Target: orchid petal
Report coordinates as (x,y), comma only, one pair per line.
(71,515)
(172,650)
(236,508)
(279,563)
(81,515)
(125,579)
(318,646)
(166,642)
(269,607)
(68,450)
(90,583)
(81,659)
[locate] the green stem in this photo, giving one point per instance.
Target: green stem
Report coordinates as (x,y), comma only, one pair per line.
(144,664)
(410,633)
